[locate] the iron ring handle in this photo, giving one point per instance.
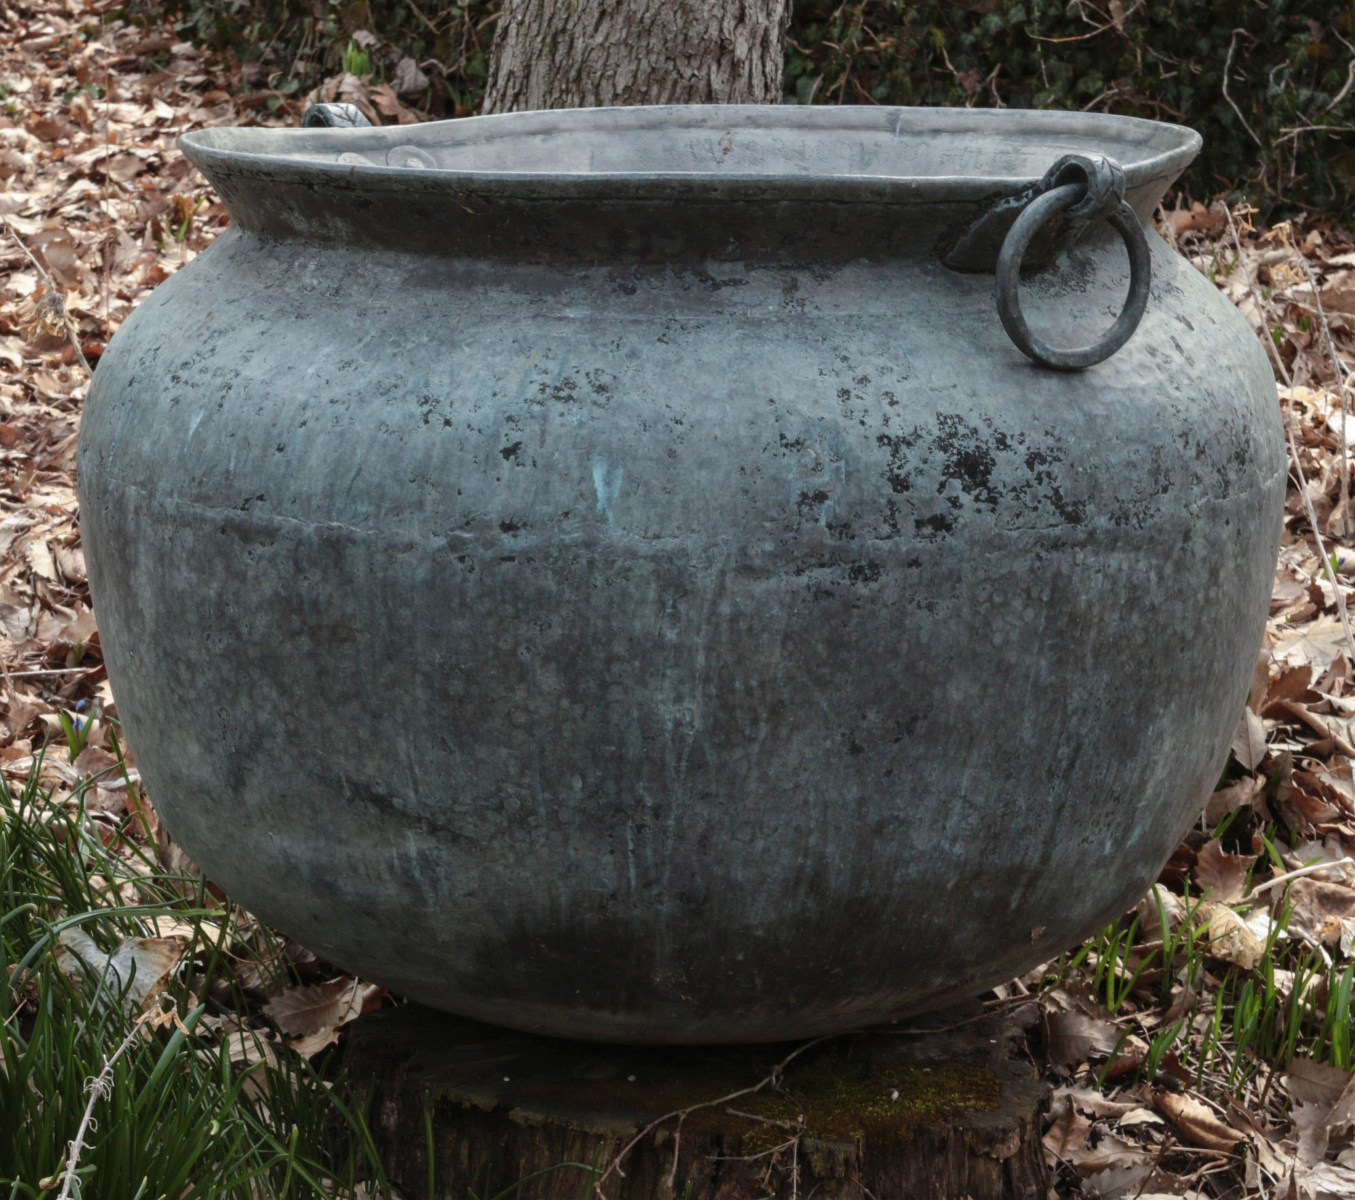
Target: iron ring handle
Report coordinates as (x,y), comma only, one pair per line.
(334,116)
(1036,213)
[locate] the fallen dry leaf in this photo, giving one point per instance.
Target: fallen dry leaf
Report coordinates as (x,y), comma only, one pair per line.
(1160,902)
(1196,1122)
(138,969)
(1320,908)
(1292,683)
(1326,1181)
(302,1011)
(95,762)
(1310,1122)
(1249,742)
(1073,1037)
(1112,1153)
(1324,1103)
(173,927)
(1220,875)
(1068,1132)
(1226,800)
(1089,1100)
(1230,938)
(312,1044)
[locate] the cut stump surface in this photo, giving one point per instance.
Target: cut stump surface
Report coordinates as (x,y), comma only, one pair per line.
(941,1108)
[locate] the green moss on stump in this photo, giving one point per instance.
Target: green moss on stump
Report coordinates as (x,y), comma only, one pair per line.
(873,1104)
(841,1099)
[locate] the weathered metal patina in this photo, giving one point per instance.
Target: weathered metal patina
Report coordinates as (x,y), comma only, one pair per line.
(610,573)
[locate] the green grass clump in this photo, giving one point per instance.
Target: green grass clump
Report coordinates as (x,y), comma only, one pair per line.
(1246,1023)
(173,1116)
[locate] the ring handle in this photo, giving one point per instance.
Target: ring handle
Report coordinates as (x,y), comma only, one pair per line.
(1088,187)
(334,116)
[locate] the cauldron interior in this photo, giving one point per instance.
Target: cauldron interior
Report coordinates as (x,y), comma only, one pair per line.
(757,142)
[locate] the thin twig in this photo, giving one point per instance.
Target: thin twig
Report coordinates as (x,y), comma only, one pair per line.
(98,1086)
(1227,65)
(1310,869)
(677,1150)
(1167,1140)
(55,671)
(986,1015)
(432,28)
(1290,132)
(734,1112)
(54,291)
(1345,87)
(1097,29)
(680,1113)
(771,1150)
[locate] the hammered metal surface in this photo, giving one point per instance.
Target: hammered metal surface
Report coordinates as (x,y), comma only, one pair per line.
(671,610)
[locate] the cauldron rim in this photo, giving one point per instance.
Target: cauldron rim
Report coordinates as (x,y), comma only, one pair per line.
(1149,151)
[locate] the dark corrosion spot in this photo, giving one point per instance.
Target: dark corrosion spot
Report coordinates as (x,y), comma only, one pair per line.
(936,524)
(968,459)
(1072,511)
(812,500)
(899,473)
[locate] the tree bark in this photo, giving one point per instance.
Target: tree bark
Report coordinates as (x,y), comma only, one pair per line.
(596,53)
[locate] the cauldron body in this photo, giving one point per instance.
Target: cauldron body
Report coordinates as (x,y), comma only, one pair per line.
(604,573)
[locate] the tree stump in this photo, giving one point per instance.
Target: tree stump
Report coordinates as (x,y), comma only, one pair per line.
(941,1108)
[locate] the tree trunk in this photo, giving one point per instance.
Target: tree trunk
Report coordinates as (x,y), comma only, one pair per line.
(946,1107)
(596,53)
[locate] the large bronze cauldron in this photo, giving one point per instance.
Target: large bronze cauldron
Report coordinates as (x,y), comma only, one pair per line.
(611,573)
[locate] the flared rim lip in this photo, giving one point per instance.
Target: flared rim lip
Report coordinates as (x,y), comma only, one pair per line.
(1147,150)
